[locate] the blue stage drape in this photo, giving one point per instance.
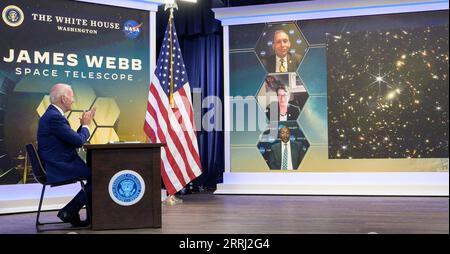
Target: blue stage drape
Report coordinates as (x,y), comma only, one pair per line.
(205,60)
(200,38)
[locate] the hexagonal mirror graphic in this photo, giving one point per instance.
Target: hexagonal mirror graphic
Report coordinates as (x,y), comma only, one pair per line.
(84,96)
(313,71)
(283,146)
(43,105)
(281,47)
(282,96)
(107,111)
(104,135)
(246,73)
(74,121)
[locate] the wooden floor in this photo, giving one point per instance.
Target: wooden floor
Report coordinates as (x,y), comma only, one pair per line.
(231,214)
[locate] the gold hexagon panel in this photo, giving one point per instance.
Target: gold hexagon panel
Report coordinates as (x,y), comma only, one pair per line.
(45,102)
(74,121)
(84,97)
(107,111)
(104,135)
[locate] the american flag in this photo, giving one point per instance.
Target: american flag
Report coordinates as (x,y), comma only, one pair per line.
(172,124)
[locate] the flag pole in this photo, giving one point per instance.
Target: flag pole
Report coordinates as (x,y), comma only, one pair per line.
(171,199)
(171,7)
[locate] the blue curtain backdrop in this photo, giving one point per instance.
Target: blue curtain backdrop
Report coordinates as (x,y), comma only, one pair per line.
(200,38)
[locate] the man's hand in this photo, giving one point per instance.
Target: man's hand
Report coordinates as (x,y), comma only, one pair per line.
(93,112)
(87,116)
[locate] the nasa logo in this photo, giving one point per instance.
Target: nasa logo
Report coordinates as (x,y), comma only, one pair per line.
(126,187)
(13,16)
(132,29)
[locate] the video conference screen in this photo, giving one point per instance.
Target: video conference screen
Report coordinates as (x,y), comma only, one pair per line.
(353,94)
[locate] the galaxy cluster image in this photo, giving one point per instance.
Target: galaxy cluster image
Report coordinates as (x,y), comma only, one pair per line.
(388,93)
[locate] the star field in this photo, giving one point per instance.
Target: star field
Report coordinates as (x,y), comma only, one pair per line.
(388,93)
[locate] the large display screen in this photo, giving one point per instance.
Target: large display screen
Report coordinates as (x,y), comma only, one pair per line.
(353,94)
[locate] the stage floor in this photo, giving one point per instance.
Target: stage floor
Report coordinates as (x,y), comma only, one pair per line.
(236,214)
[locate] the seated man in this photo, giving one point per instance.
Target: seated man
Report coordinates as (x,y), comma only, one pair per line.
(56,147)
(287,154)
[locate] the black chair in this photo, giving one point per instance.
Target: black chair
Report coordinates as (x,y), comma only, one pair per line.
(41,176)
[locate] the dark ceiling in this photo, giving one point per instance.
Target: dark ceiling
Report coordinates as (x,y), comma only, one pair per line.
(232,3)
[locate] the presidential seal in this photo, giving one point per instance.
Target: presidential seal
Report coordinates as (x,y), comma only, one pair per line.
(126,187)
(13,16)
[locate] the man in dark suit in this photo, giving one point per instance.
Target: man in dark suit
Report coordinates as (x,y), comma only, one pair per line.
(287,154)
(286,111)
(56,147)
(283,60)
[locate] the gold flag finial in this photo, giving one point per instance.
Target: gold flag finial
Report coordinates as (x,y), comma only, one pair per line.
(171,6)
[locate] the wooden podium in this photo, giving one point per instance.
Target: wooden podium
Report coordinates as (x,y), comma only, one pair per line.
(120,172)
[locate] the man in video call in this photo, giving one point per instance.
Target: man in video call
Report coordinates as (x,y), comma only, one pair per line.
(283,60)
(286,111)
(287,154)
